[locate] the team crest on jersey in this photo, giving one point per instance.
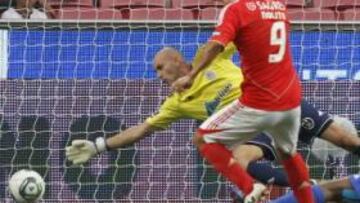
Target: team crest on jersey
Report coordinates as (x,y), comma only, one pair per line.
(251,6)
(210,75)
(308,123)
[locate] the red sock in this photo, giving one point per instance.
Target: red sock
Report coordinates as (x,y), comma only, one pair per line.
(304,194)
(220,157)
(298,174)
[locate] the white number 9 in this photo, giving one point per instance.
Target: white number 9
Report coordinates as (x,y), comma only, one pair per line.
(278,38)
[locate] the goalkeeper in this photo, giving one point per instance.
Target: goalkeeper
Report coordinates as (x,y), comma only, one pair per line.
(218,87)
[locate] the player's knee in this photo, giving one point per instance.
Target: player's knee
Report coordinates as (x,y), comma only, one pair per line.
(244,154)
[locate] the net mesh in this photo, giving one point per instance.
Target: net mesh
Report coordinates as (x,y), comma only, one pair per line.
(69,81)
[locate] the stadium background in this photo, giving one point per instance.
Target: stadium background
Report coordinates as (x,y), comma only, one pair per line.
(81,81)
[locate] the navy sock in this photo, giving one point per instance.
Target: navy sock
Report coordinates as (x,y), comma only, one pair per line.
(265,173)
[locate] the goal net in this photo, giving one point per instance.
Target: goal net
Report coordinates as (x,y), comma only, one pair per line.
(68,80)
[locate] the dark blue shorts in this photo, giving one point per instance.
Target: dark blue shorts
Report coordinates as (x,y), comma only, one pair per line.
(266,144)
(313,123)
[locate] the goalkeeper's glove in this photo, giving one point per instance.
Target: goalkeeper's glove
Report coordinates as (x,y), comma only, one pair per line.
(80,151)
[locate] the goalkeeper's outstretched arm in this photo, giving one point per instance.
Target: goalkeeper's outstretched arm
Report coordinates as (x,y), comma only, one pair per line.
(130,136)
(81,151)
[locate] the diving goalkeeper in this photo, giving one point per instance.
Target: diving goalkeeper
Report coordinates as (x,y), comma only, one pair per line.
(216,86)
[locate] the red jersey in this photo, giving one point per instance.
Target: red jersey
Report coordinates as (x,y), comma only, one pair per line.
(259,29)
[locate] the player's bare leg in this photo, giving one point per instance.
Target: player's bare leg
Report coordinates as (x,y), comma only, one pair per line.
(249,154)
(342,133)
(333,189)
(244,154)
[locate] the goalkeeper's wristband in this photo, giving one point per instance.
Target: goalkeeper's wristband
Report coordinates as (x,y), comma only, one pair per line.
(100,145)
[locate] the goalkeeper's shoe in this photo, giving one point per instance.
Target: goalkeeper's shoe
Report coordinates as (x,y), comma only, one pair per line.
(255,195)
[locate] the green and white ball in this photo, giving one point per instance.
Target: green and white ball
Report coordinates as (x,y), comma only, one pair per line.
(26,186)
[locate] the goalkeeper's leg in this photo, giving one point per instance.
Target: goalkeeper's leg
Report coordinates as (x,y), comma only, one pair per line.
(259,148)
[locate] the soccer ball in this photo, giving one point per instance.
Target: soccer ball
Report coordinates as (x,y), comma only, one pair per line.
(26,186)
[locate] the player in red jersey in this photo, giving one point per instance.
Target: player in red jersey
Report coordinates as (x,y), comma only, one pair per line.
(271,94)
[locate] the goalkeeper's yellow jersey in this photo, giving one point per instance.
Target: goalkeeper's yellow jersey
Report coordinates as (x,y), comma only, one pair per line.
(214,87)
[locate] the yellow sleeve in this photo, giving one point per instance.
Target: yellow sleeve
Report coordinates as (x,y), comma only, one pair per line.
(166,115)
(229,51)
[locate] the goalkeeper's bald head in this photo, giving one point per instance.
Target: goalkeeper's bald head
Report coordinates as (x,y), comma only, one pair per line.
(170,64)
(169,53)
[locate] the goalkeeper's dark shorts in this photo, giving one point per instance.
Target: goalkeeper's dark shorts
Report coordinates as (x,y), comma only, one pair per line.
(313,123)
(266,144)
